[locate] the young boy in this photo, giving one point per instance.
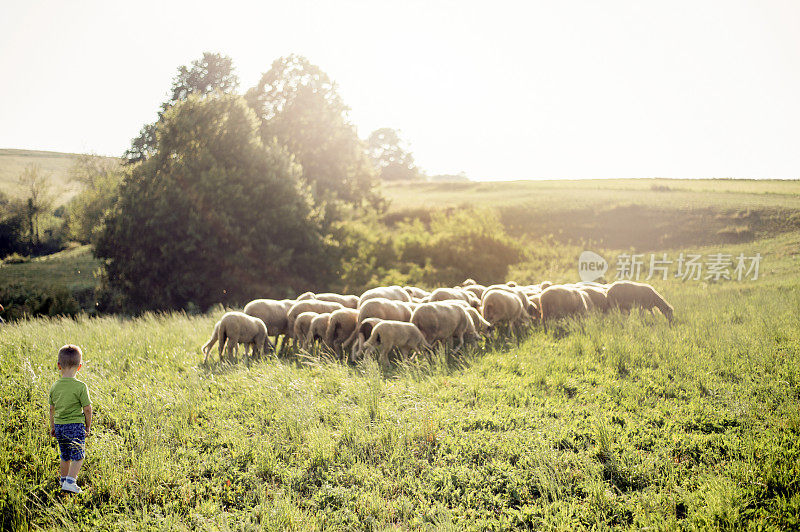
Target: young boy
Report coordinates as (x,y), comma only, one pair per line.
(70,415)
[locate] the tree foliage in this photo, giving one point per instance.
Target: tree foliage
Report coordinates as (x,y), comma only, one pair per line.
(214,215)
(99,178)
(211,73)
(389,154)
(300,106)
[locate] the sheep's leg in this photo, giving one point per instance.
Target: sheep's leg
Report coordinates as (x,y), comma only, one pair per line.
(384,357)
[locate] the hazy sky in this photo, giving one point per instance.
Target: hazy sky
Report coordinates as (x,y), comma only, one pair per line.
(500,90)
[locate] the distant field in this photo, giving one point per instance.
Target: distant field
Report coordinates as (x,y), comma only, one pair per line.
(56,164)
(645,214)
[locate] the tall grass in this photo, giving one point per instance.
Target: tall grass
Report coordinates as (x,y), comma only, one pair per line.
(613,421)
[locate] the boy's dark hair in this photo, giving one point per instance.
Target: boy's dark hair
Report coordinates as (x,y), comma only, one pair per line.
(69,356)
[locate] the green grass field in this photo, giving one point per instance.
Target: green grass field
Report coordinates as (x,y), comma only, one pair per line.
(71,269)
(612,422)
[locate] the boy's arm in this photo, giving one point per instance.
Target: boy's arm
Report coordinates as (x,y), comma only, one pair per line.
(87,413)
(52,420)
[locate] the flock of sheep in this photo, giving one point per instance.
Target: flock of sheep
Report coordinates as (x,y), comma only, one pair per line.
(411,319)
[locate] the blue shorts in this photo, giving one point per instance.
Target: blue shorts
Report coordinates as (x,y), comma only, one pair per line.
(71,440)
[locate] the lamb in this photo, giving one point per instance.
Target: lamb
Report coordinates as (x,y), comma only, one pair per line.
(385,309)
(503,307)
(274,314)
(341,325)
(628,294)
(560,301)
(404,336)
(394,292)
(441,321)
(309,305)
(236,328)
(302,324)
(446,294)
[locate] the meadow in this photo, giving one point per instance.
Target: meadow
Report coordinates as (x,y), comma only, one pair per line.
(614,421)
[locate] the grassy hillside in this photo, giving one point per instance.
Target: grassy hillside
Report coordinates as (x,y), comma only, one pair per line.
(616,421)
(56,164)
(645,214)
(72,269)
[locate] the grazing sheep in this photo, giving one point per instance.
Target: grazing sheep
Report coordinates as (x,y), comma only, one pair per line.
(447,294)
(304,296)
(274,314)
(301,325)
(535,306)
(388,335)
(628,294)
(468,282)
(318,328)
(416,293)
(395,293)
(560,301)
(481,325)
(346,301)
(477,289)
(520,293)
(503,307)
(440,321)
(309,305)
(385,309)
(363,332)
(597,295)
(236,328)
(341,325)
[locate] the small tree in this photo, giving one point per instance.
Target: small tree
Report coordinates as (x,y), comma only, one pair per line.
(214,215)
(37,198)
(390,156)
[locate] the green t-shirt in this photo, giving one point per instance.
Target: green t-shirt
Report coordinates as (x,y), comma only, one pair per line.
(69,396)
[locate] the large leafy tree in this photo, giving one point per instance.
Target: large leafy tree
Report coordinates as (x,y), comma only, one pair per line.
(300,106)
(211,73)
(213,215)
(389,154)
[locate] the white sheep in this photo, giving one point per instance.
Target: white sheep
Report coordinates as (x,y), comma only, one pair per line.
(274,313)
(309,305)
(385,309)
(341,325)
(301,325)
(395,293)
(236,328)
(561,301)
(628,294)
(446,294)
(441,321)
(317,329)
(388,335)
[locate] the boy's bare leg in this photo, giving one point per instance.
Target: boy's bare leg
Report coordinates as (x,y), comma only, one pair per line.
(64,468)
(74,467)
